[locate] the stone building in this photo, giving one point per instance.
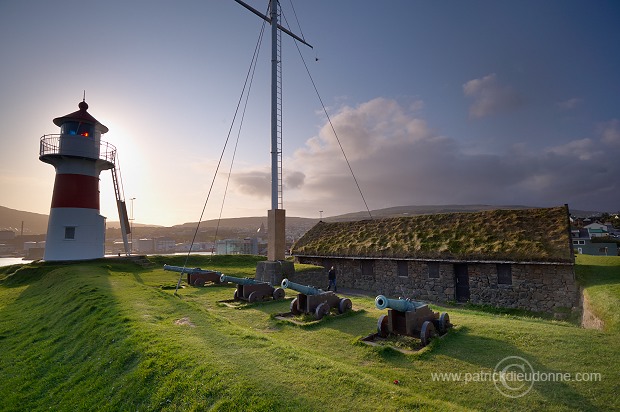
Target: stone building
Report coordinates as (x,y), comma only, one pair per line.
(507,258)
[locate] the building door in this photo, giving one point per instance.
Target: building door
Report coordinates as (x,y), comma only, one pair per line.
(461,280)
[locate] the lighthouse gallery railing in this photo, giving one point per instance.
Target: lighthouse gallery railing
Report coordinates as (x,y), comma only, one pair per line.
(81,146)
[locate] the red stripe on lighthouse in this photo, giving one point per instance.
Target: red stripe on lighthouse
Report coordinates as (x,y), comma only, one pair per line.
(72,190)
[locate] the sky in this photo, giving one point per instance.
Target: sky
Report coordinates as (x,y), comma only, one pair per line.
(432,103)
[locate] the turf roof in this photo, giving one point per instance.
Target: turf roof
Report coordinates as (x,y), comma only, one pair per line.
(541,235)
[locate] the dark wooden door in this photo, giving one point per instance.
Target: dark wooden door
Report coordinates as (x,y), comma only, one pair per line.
(461,280)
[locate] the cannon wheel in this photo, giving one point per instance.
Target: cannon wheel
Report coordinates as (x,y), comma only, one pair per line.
(199,282)
(294,309)
(427,332)
(443,323)
(236,295)
(321,310)
(382,326)
(344,305)
(253,297)
(217,281)
(278,294)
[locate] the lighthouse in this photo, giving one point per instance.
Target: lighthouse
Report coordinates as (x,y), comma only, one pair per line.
(76,230)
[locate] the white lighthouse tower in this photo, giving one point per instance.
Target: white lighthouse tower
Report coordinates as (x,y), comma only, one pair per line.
(76,230)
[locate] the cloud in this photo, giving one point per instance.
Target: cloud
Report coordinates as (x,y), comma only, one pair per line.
(398,159)
(570,103)
(293,180)
(490,97)
(610,132)
(257,182)
(583,149)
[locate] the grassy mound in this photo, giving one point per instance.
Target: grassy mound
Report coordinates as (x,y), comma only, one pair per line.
(600,277)
(106,336)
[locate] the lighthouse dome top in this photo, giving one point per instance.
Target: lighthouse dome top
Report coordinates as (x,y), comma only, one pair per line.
(82,116)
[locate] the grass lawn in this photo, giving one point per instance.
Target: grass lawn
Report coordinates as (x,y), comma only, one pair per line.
(109,335)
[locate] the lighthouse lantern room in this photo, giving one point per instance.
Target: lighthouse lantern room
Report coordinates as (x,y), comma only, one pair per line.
(76,230)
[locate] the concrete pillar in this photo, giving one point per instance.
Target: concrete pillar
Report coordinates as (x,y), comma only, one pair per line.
(276,220)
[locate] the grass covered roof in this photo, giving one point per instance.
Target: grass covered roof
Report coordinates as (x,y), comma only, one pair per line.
(541,235)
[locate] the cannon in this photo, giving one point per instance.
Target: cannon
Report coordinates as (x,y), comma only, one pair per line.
(410,318)
(315,301)
(196,276)
(253,290)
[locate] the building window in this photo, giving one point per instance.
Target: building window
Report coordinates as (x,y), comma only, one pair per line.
(70,232)
(579,242)
(403,268)
(433,270)
(504,274)
(368,267)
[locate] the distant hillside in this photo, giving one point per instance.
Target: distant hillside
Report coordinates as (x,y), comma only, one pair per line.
(417,210)
(115,224)
(399,211)
(11,219)
(36,223)
(247,222)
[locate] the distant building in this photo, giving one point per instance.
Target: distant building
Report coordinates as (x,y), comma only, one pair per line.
(247,246)
(144,246)
(7,235)
(196,247)
(597,230)
(161,244)
(582,243)
(34,250)
(6,249)
(164,244)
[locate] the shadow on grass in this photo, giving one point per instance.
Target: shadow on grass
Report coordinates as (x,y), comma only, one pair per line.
(26,274)
(590,275)
(65,319)
(494,355)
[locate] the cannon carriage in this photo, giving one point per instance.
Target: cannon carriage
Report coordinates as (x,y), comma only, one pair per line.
(410,318)
(253,290)
(196,276)
(315,301)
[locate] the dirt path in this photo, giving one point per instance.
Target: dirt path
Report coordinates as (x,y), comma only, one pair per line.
(588,318)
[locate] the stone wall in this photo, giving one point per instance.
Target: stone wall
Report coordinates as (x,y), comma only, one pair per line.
(315,278)
(535,287)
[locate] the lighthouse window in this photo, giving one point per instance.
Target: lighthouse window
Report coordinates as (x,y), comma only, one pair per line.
(76,128)
(70,232)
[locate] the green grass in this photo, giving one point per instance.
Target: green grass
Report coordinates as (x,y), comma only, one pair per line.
(600,277)
(109,336)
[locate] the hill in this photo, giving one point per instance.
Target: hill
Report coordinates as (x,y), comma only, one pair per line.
(412,210)
(36,223)
(33,223)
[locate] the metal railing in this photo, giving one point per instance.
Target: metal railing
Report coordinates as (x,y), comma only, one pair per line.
(81,146)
